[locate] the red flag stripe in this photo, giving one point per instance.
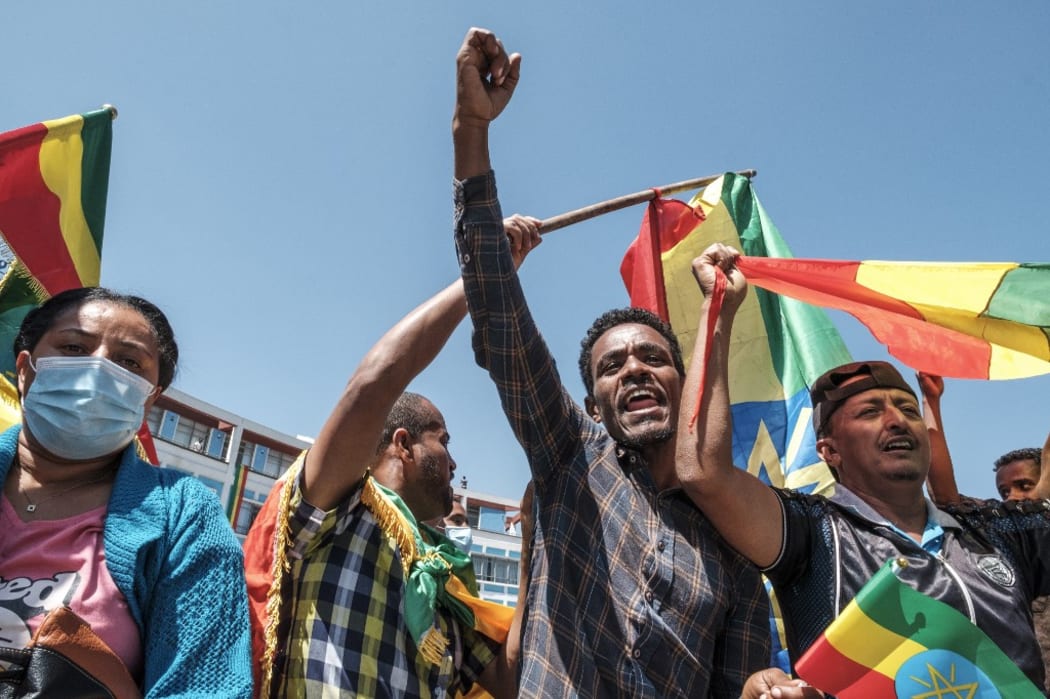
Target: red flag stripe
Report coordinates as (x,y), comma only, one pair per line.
(898,325)
(830,671)
(30,213)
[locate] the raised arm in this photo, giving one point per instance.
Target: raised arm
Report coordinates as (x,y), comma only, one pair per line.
(346,445)
(347,442)
(744,510)
(486,77)
(940,482)
(506,341)
(485,80)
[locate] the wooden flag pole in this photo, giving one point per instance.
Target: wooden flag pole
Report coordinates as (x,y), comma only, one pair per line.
(567,219)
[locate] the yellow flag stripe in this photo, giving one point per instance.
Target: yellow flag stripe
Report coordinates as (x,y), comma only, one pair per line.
(61,158)
(868,643)
(933,284)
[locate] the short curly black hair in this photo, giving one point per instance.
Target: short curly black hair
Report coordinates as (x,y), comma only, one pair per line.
(623,316)
(1026,454)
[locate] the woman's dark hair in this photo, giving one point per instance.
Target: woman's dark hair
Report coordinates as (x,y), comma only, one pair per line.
(39,320)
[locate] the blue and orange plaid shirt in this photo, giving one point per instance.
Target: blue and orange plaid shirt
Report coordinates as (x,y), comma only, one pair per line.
(633,593)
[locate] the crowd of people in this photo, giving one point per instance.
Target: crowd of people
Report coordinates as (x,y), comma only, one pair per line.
(643,544)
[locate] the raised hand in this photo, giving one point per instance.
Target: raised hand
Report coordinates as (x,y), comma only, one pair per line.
(485,78)
(931,385)
(723,257)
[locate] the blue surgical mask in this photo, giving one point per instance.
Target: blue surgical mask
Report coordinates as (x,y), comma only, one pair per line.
(81,408)
(462,537)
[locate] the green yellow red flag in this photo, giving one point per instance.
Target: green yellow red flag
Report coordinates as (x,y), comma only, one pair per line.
(54,177)
(963,320)
(779,346)
(893,641)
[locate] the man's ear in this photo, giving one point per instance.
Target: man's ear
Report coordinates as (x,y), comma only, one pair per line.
(592,409)
(827,451)
(402,442)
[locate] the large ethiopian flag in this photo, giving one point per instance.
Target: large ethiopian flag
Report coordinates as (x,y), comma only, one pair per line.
(779,346)
(54,177)
(893,641)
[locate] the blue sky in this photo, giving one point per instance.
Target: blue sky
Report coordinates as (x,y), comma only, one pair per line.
(281,171)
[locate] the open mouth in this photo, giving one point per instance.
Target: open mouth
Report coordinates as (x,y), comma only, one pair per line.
(899,444)
(639,399)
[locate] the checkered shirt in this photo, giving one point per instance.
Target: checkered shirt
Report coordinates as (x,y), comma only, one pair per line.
(633,592)
(345,635)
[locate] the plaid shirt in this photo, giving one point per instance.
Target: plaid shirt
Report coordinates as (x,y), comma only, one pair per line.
(346,636)
(633,593)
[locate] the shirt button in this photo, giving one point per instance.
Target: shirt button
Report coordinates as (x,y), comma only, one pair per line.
(648,596)
(633,459)
(637,654)
(466,257)
(660,545)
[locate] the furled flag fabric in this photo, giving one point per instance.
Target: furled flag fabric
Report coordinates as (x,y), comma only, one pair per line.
(54,177)
(963,320)
(779,346)
(893,641)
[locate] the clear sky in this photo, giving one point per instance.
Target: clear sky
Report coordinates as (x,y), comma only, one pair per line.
(281,171)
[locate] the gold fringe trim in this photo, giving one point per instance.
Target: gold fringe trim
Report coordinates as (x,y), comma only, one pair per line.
(433,646)
(392,522)
(18,270)
(281,565)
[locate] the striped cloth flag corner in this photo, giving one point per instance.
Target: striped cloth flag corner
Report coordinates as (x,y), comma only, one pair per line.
(971,320)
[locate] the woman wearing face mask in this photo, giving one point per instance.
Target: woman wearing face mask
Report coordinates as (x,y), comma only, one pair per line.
(143,555)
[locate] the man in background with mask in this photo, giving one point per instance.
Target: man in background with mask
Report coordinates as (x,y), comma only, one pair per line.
(456,527)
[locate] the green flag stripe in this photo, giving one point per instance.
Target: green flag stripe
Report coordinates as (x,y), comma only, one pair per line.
(1023,296)
(97,136)
(802,340)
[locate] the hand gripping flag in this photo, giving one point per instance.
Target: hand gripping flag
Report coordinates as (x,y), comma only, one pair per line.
(779,346)
(54,177)
(963,320)
(892,641)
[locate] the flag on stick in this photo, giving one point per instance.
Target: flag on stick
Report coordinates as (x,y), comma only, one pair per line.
(963,320)
(54,177)
(892,641)
(779,346)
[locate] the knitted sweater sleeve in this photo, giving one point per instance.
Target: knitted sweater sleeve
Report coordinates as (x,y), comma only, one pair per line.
(197,639)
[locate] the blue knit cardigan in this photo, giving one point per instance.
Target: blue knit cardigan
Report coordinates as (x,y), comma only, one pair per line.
(172,553)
